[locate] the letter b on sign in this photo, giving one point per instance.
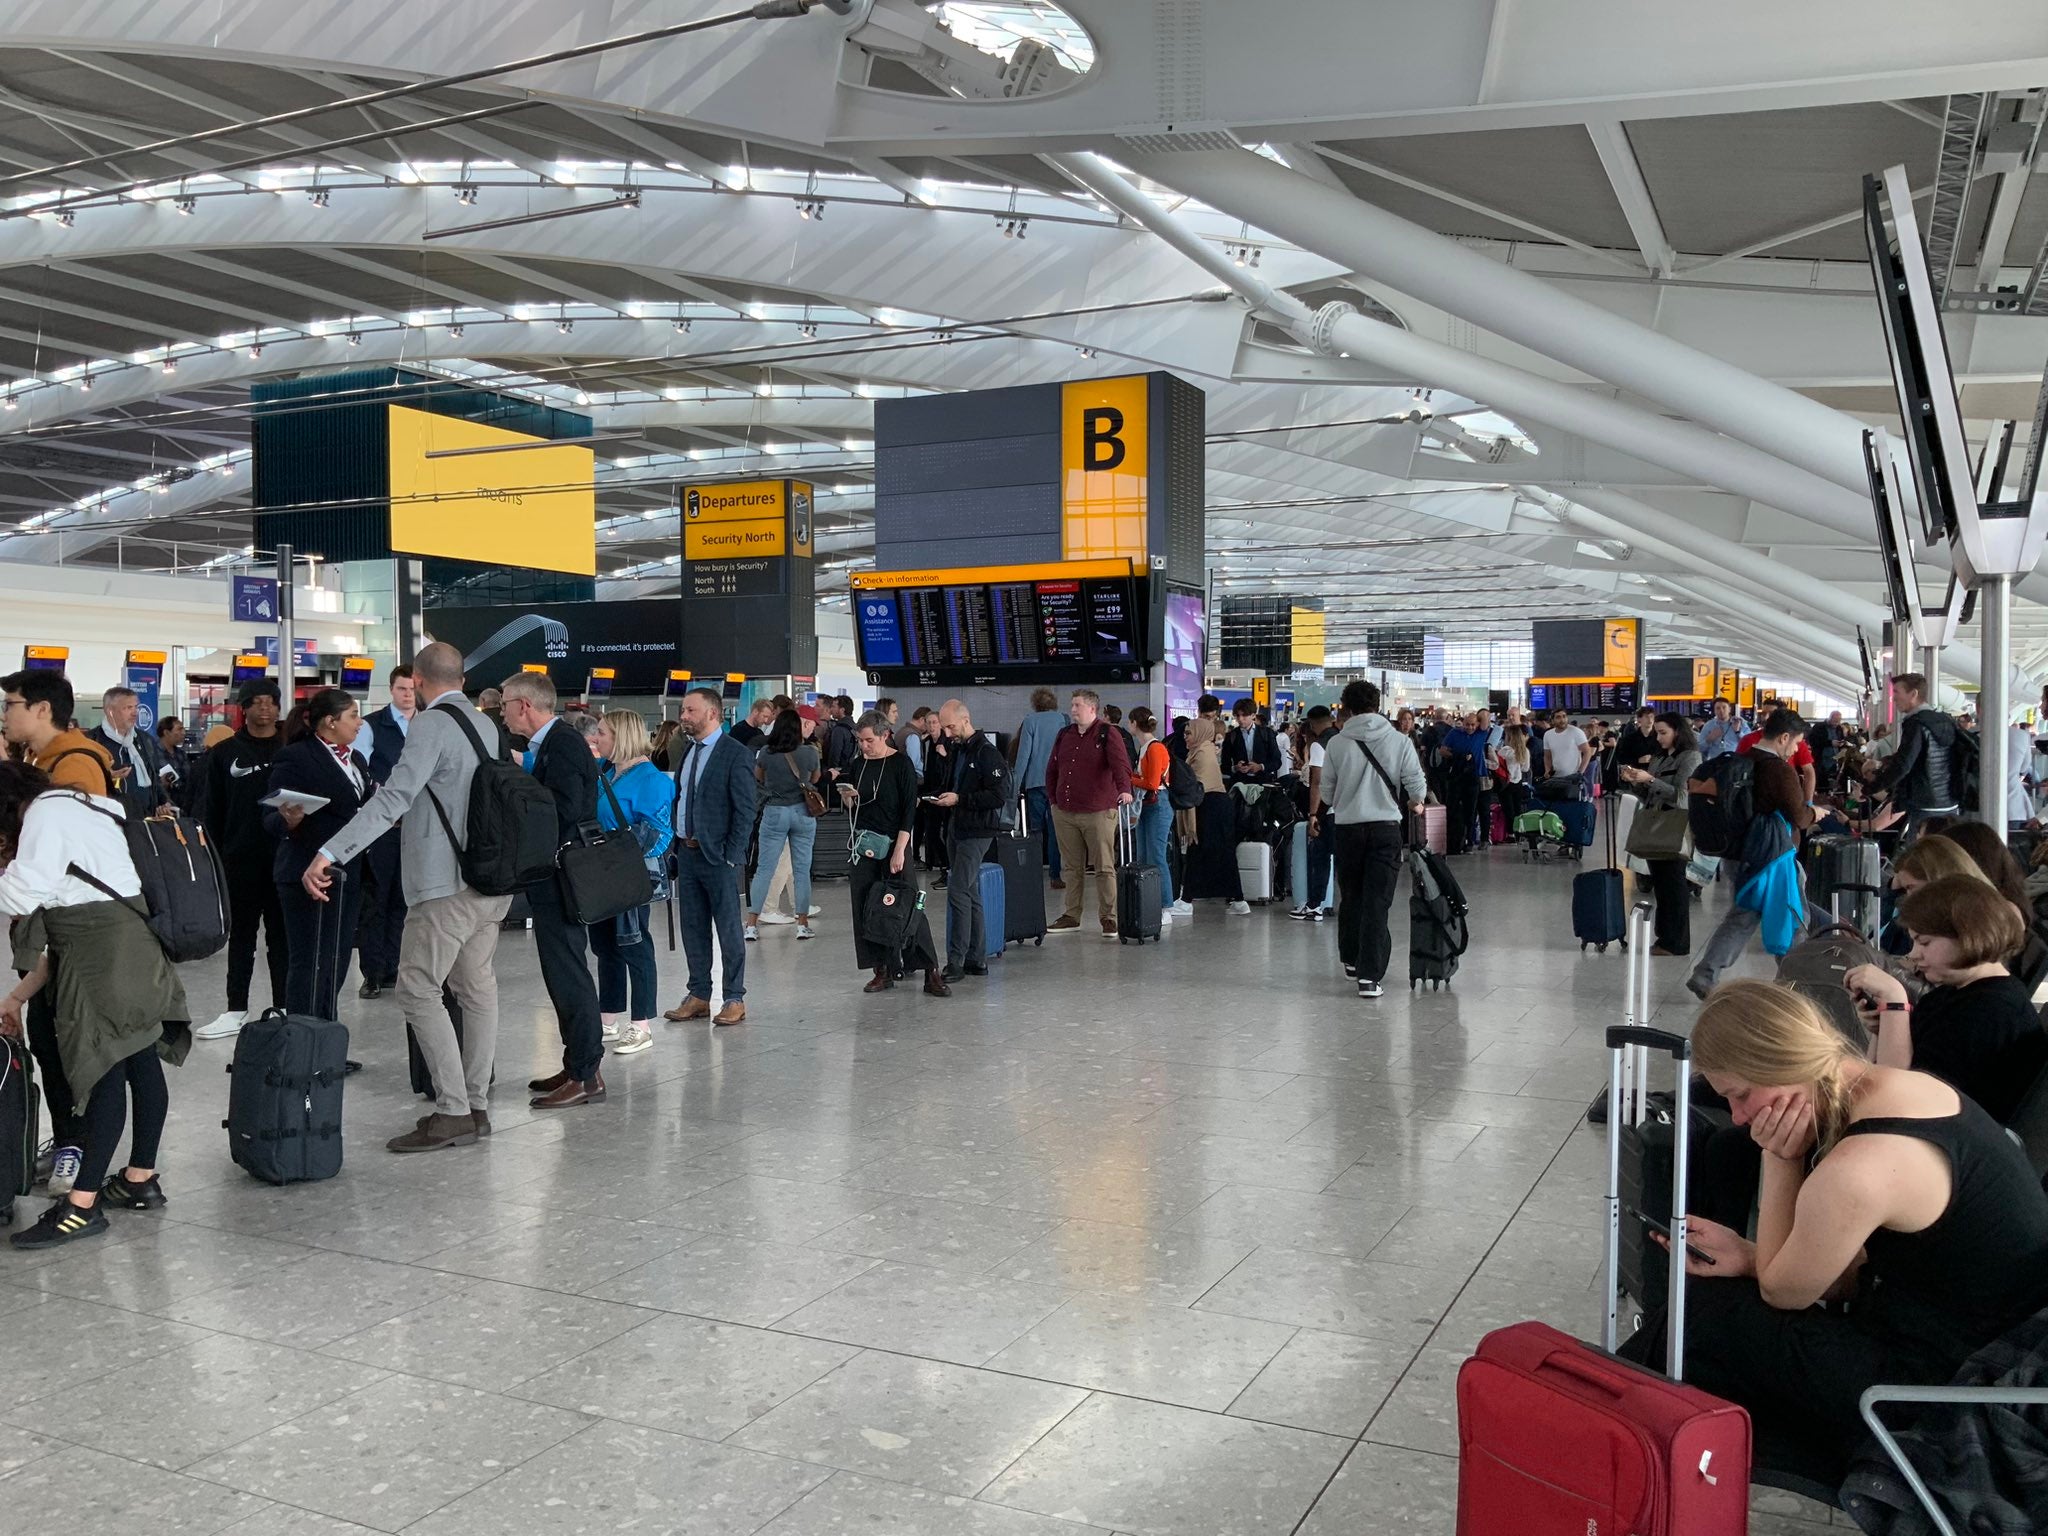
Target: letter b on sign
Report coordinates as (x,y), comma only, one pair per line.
(1102,439)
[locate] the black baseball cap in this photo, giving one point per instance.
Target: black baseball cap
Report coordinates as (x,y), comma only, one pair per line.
(259,688)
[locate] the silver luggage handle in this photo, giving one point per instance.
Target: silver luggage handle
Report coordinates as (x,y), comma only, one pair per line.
(1629,1045)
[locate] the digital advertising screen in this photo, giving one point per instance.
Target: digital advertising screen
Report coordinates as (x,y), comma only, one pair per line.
(1076,622)
(1186,651)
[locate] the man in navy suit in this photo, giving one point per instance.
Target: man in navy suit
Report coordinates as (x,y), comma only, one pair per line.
(383,895)
(563,763)
(714,821)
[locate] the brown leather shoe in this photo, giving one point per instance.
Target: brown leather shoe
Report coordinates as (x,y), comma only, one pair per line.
(1063,924)
(482,1120)
(548,1084)
(881,981)
(572,1093)
(1059,885)
(935,985)
(1109,927)
(435,1132)
(731,1013)
(691,1007)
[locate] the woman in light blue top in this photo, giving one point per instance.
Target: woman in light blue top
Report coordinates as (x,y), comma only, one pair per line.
(637,795)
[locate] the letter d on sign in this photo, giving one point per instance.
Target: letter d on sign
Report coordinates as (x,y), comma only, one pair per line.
(1102,442)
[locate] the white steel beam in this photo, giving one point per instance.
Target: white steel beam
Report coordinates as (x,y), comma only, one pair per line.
(665,151)
(1625,176)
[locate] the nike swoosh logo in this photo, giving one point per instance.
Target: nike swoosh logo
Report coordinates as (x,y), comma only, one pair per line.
(241,771)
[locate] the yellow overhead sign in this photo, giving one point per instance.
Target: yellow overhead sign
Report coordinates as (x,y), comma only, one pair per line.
(1621,656)
(1308,636)
(977,575)
(1105,465)
(522,503)
(1725,683)
(1262,691)
(1745,695)
(1702,677)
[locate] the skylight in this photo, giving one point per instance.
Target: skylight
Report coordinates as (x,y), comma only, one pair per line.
(997,26)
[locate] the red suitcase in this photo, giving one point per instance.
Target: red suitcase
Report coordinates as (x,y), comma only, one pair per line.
(1557,1438)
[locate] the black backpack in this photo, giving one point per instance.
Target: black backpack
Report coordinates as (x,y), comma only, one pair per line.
(1965,770)
(513,834)
(1184,790)
(183,884)
(1721,803)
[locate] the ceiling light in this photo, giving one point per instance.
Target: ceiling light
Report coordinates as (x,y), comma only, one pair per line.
(10,404)
(682,327)
(582,398)
(170,364)
(465,194)
(255,350)
(66,217)
(317,197)
(455,331)
(1014,226)
(565,326)
(187,205)
(672,394)
(1085,351)
(649,516)
(808,331)
(630,201)
(355,338)
(85,382)
(810,208)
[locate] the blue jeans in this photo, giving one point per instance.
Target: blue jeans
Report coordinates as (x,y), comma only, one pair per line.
(1155,822)
(1038,806)
(780,824)
(625,972)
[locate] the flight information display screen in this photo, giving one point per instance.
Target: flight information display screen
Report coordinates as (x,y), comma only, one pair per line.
(1585,698)
(1062,626)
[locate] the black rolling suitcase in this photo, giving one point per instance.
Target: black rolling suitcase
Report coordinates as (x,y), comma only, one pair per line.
(1138,893)
(415,1062)
(1438,928)
(285,1086)
(1022,858)
(20,1126)
(1599,910)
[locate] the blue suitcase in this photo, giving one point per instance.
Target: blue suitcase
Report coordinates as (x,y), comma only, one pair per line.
(1581,819)
(1599,914)
(994,884)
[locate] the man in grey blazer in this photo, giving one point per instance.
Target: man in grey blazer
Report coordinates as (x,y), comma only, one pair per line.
(451,930)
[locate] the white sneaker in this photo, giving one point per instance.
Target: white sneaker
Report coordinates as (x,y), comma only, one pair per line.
(753,933)
(805,931)
(1370,988)
(1165,917)
(611,1030)
(1182,909)
(1240,909)
(815,912)
(228,1024)
(775,919)
(634,1037)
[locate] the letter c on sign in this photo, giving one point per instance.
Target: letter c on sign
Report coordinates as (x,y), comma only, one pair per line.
(1102,444)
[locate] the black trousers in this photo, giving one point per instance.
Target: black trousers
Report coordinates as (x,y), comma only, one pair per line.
(1368,871)
(1674,904)
(382,923)
(141,1075)
(67,1125)
(563,947)
(252,899)
(1461,806)
(315,931)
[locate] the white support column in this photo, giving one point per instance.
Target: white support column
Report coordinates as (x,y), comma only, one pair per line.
(1625,176)
(1994,619)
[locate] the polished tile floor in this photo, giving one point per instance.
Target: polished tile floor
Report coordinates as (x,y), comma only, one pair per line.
(1181,1239)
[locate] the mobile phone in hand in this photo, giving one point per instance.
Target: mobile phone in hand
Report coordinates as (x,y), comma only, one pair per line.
(1664,1228)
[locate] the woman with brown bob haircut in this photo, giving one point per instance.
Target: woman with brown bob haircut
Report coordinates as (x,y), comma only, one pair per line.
(1974,1027)
(1880,1184)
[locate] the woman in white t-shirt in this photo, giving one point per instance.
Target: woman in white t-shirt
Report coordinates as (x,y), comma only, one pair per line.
(1514,760)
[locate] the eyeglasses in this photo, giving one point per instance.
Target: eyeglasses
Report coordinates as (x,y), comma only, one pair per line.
(13,703)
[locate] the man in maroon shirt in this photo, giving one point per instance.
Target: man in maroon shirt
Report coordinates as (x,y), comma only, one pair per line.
(1088,781)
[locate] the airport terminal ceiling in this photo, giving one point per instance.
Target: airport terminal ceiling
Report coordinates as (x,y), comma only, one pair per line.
(724,246)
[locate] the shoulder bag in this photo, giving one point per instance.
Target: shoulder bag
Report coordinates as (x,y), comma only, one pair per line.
(600,873)
(865,844)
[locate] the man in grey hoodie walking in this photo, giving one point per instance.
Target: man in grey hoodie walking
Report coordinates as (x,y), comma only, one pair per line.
(1371,780)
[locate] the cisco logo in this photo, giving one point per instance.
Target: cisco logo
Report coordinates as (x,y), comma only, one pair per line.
(558,648)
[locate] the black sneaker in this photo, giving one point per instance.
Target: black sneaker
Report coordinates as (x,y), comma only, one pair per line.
(1351,971)
(977,970)
(146,1196)
(956,973)
(1370,988)
(62,1223)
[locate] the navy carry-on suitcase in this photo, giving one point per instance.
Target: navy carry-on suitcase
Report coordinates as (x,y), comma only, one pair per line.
(284,1089)
(1138,894)
(1599,914)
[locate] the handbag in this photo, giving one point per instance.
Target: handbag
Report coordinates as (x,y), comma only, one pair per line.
(601,874)
(1660,832)
(866,844)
